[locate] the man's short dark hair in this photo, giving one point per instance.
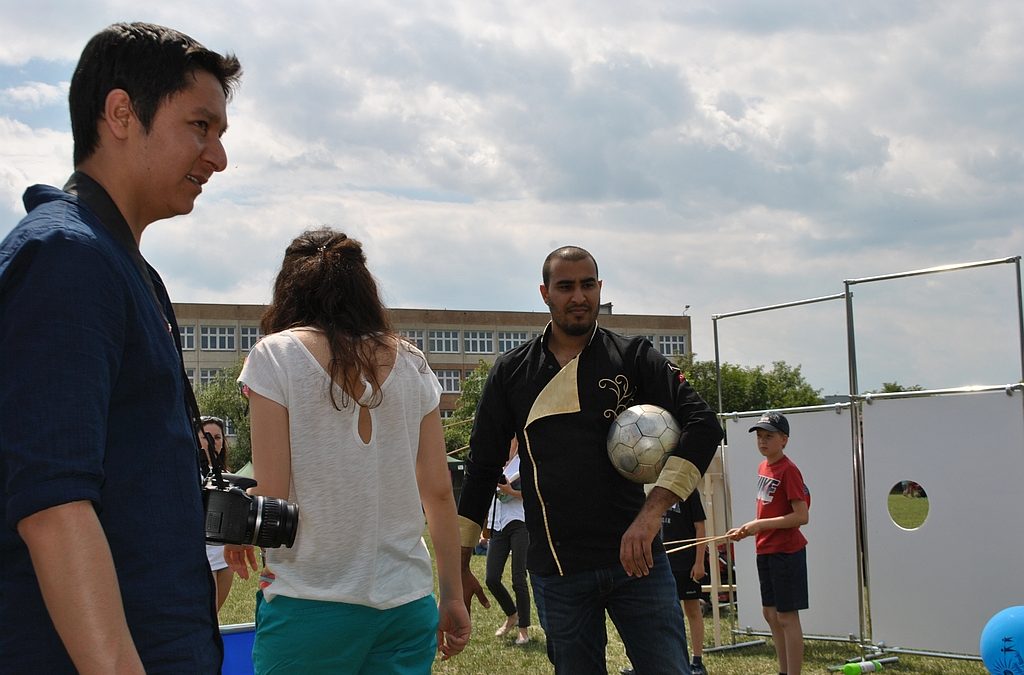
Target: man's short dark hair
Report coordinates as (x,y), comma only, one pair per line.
(150,62)
(570,253)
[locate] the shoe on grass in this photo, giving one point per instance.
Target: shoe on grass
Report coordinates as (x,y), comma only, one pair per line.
(510,623)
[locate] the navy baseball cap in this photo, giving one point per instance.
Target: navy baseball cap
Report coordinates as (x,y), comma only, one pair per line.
(772,421)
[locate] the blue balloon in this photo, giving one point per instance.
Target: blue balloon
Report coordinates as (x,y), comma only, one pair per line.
(1002,642)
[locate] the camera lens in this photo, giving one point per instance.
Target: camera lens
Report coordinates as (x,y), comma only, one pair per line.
(276,522)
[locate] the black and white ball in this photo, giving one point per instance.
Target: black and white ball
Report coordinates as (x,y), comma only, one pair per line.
(640,440)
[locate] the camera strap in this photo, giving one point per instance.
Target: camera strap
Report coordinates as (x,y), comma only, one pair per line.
(93,196)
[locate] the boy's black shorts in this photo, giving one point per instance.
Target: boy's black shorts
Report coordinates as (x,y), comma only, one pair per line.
(686,588)
(783,580)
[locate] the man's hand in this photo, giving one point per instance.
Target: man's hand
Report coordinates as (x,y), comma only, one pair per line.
(635,547)
(470,585)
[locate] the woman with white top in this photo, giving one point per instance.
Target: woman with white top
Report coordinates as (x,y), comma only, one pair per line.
(507,523)
(345,423)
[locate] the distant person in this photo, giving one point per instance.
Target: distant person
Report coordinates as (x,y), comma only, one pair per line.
(103,565)
(595,545)
(509,536)
(345,423)
(783,501)
(214,426)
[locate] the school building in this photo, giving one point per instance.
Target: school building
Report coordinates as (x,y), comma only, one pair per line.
(216,336)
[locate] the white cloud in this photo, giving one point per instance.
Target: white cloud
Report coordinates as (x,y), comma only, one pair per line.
(35,95)
(726,155)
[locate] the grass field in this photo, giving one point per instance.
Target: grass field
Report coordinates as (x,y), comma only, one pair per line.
(489,655)
(908,512)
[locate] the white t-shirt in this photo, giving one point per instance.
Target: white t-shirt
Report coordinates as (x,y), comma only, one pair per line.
(360,536)
(506,508)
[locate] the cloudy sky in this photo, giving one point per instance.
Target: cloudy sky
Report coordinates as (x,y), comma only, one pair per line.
(721,154)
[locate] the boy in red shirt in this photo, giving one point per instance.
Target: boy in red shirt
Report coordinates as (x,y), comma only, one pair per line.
(782,504)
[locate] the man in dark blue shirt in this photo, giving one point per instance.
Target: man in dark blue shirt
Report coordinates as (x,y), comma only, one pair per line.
(594,545)
(103,547)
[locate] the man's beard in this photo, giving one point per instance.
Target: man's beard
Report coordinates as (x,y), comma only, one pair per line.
(577,329)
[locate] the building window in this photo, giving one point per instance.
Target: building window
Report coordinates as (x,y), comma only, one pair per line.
(229,427)
(672,345)
(191,373)
(415,337)
(188,337)
(447,414)
(478,342)
(217,338)
(248,336)
(449,380)
(508,340)
(208,375)
(444,342)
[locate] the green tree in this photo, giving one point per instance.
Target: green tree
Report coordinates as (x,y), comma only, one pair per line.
(893,387)
(221,398)
(458,426)
(750,388)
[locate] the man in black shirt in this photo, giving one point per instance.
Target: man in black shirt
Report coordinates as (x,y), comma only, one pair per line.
(594,537)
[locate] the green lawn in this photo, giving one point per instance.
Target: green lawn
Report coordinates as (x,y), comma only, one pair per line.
(489,655)
(908,512)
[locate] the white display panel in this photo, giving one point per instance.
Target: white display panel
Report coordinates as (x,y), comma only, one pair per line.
(935,587)
(820,446)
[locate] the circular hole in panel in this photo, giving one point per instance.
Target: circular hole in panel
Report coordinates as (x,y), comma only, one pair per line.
(908,504)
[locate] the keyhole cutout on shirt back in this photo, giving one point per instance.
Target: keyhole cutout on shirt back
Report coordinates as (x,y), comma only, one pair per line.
(365,424)
(386,355)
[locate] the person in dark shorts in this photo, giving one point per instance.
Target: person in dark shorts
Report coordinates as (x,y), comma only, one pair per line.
(783,501)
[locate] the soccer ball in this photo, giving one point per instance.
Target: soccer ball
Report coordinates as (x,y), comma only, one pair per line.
(640,440)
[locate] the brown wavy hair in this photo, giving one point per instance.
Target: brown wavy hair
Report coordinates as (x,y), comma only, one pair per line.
(324,283)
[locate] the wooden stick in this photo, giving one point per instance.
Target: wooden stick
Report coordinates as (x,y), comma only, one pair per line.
(695,542)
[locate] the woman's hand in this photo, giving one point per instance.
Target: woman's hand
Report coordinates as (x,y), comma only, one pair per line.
(236,556)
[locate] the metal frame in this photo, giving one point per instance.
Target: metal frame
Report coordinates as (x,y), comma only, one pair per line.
(858,442)
(718,381)
(857,399)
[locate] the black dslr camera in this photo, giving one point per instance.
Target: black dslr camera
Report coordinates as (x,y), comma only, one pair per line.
(235,517)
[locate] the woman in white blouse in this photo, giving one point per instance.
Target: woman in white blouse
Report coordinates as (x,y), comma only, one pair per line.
(345,423)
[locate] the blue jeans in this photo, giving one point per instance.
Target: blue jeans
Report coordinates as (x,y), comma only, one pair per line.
(644,610)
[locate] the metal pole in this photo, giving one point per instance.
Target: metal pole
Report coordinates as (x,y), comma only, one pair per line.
(1020,320)
(857,455)
(932,270)
(782,305)
(718,371)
